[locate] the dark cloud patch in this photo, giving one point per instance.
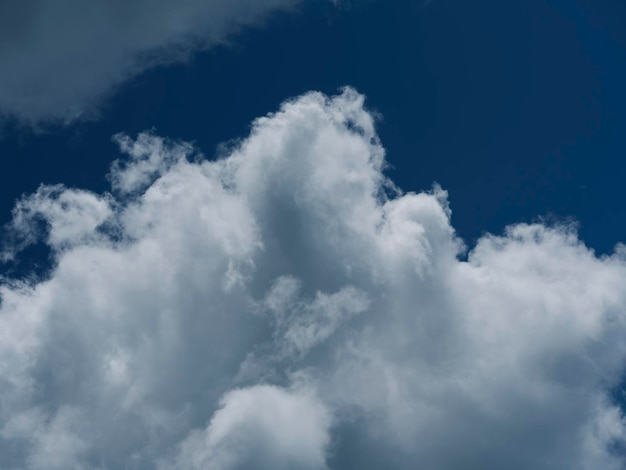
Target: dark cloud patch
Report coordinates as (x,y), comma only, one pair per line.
(59,60)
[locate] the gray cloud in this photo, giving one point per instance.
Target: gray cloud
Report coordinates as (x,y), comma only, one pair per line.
(59,60)
(276,308)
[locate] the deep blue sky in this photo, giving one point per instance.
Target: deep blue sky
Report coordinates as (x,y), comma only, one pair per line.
(516,107)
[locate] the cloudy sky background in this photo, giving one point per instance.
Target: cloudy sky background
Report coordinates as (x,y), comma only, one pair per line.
(208,265)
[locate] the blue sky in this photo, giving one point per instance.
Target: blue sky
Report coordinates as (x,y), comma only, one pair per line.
(235,244)
(515,108)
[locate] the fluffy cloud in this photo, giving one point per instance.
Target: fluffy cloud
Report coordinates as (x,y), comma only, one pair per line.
(60,59)
(285,306)
(261,427)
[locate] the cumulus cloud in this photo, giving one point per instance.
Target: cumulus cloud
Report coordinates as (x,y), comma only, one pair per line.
(60,59)
(285,306)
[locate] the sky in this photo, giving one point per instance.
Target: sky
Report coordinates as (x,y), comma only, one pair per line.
(312,234)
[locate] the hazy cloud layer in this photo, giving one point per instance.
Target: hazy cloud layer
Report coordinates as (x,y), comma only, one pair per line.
(60,59)
(285,307)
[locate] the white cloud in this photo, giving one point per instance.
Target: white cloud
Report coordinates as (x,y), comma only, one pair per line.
(275,308)
(55,441)
(72,216)
(262,427)
(60,59)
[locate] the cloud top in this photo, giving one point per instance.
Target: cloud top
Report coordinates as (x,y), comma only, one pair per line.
(284,306)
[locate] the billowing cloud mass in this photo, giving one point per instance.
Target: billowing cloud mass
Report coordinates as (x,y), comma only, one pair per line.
(285,306)
(60,59)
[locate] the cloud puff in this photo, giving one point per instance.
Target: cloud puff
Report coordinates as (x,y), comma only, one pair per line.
(262,427)
(285,306)
(59,60)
